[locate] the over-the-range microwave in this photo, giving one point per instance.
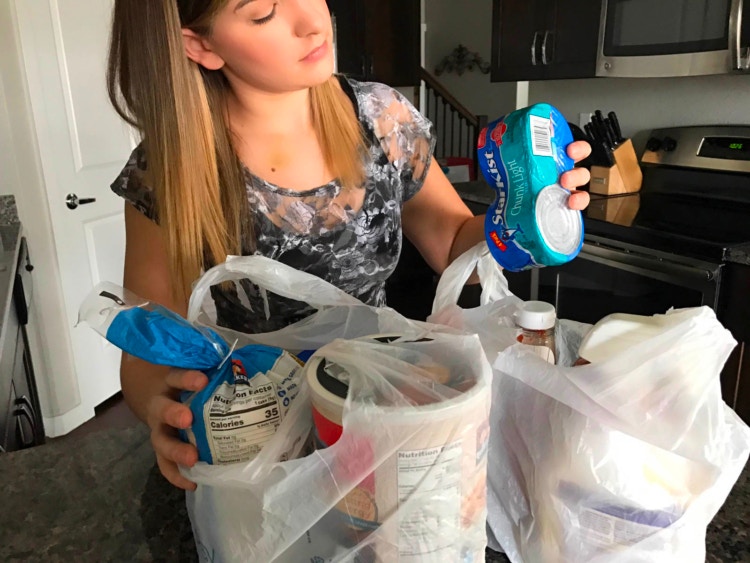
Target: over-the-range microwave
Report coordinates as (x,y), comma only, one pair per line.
(655,38)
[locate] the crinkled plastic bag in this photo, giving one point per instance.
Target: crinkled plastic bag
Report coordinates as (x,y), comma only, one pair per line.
(337,315)
(625,460)
(422,467)
(419,470)
(249,391)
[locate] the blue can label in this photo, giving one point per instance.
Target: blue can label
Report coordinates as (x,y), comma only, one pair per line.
(520,155)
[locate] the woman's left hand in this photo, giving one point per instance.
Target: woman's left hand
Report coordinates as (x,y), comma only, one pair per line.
(577,177)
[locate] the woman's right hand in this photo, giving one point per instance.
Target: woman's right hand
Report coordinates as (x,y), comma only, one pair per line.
(165,416)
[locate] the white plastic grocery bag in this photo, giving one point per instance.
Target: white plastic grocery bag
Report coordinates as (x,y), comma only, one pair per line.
(406,481)
(338,314)
(628,459)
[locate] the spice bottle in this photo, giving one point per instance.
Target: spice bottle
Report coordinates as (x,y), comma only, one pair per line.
(536,321)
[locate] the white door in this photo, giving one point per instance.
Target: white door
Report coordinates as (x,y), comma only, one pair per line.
(83,144)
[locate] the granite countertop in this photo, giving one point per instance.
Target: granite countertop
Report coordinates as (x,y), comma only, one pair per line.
(101,498)
(10,243)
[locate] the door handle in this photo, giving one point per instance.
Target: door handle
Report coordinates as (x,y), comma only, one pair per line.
(73,201)
(546,60)
(533,48)
(22,412)
(740,56)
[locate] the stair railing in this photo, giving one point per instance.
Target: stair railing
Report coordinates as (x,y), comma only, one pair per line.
(456,127)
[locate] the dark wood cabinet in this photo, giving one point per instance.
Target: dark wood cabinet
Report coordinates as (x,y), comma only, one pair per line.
(17,413)
(21,424)
(544,39)
(378,40)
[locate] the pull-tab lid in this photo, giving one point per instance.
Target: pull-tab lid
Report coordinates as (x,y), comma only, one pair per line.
(560,226)
(535,315)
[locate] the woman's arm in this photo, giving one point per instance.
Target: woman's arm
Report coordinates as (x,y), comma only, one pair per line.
(151,391)
(442,228)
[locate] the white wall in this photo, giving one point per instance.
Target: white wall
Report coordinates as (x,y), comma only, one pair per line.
(467,22)
(9,176)
(641,104)
(20,175)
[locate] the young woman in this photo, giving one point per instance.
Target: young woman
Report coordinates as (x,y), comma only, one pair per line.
(252,145)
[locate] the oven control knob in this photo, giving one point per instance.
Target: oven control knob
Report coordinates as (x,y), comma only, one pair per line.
(669,144)
(653,144)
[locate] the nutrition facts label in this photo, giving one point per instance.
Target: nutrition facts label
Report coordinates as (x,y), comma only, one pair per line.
(612,532)
(241,421)
(432,479)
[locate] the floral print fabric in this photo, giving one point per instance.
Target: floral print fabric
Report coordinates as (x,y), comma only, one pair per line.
(348,237)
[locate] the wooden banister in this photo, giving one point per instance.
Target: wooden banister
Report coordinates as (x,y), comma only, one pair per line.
(443,92)
(456,127)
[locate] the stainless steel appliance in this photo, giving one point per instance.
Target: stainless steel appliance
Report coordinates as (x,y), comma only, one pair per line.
(643,38)
(21,423)
(682,241)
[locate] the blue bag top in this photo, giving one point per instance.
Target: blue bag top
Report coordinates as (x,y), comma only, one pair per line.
(162,337)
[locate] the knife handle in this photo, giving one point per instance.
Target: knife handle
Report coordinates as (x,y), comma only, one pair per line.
(616,126)
(609,157)
(612,137)
(590,132)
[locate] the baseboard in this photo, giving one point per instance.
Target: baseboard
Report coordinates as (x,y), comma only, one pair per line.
(57,426)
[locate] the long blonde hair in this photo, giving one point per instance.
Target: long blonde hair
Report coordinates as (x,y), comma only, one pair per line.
(180,110)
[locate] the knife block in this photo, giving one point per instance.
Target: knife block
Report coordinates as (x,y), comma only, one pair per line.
(622,178)
(617,210)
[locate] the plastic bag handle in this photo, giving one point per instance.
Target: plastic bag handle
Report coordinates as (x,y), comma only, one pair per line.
(273,276)
(454,278)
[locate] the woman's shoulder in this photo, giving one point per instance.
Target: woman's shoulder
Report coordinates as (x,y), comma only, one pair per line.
(375,99)
(386,110)
(131,183)
(372,90)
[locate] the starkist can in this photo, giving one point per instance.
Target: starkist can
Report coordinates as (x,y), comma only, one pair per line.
(522,156)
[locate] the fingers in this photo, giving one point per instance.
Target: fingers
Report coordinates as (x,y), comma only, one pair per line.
(575,178)
(170,451)
(172,474)
(578,150)
(171,448)
(186,380)
(578,200)
(165,416)
(163,410)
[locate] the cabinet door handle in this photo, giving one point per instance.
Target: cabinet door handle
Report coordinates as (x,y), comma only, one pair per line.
(546,60)
(21,411)
(533,48)
(25,403)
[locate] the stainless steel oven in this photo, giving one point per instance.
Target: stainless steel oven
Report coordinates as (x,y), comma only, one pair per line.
(647,38)
(682,241)
(610,277)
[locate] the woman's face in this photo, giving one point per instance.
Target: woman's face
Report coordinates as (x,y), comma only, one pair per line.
(275,45)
